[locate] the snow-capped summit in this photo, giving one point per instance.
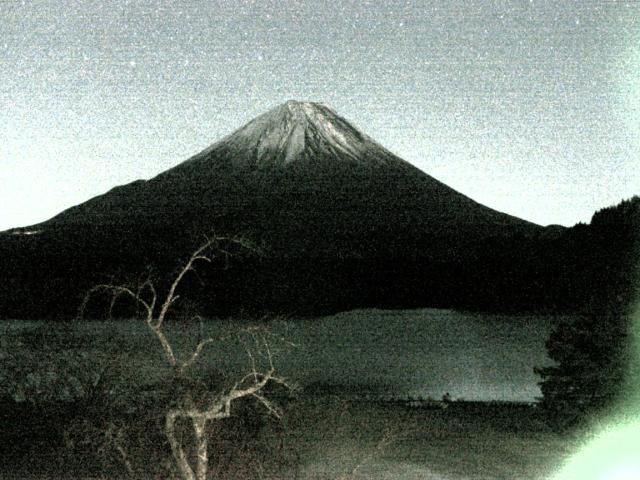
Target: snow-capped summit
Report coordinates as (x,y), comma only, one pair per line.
(299,132)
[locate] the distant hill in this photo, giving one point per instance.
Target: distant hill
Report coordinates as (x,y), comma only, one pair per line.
(342,222)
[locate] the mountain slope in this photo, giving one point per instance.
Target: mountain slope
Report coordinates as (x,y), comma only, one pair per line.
(296,158)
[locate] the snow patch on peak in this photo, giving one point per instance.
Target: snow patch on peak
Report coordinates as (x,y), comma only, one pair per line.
(301,130)
(295,144)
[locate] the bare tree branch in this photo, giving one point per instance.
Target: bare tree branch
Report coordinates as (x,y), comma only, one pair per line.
(251,385)
(116,291)
(171,296)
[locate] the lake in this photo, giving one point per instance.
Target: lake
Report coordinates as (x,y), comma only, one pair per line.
(391,353)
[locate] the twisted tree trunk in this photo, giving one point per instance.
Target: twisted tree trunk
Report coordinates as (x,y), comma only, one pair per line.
(199,426)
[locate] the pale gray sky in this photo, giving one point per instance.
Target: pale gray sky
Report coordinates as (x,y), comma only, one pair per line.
(530,107)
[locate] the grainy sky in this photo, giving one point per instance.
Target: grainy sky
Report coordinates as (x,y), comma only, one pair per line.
(530,107)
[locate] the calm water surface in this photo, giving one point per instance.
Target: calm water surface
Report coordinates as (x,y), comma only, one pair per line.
(391,352)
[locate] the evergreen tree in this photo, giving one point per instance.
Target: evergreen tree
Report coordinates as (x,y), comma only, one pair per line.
(591,350)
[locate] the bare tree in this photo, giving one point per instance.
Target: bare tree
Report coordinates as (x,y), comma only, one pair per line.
(214,407)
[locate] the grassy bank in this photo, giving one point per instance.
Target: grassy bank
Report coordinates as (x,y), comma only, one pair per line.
(325,437)
(346,439)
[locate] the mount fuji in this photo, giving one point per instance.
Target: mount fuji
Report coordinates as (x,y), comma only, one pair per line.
(296,155)
(343,222)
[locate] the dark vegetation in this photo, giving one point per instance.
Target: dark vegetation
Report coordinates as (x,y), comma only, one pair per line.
(592,351)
